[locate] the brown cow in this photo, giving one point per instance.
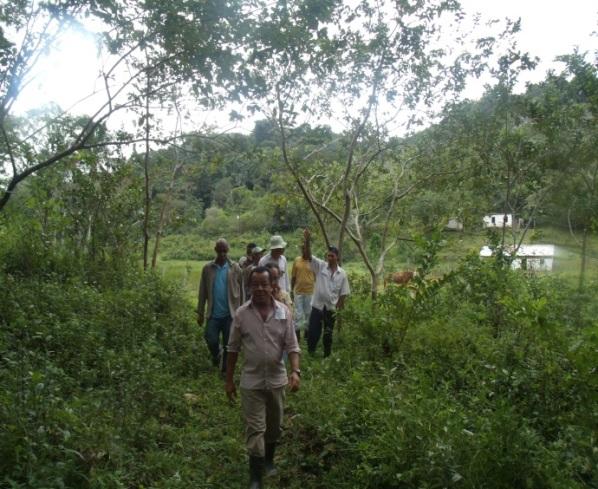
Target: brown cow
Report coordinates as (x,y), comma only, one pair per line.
(399,278)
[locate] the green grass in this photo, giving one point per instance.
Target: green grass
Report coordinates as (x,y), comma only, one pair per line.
(185,273)
(567,263)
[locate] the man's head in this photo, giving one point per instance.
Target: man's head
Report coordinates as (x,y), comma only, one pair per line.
(221,250)
(274,274)
(332,256)
(256,254)
(260,283)
(277,246)
(249,249)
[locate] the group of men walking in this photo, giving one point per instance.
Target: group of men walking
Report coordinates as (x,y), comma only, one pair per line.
(256,308)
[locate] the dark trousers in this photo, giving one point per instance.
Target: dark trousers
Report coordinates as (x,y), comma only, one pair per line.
(316,319)
(215,328)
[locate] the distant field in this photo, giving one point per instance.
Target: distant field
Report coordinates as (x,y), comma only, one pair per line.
(567,261)
(186,273)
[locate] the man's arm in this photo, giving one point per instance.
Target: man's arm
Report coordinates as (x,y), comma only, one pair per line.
(344,292)
(306,244)
(294,378)
(231,363)
(286,276)
(340,303)
(232,349)
(240,278)
(202,297)
(293,277)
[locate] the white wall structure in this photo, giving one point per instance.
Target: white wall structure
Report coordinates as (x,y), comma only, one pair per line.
(454,224)
(500,220)
(534,257)
(538,257)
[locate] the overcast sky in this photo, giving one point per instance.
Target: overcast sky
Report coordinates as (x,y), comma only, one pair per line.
(549,28)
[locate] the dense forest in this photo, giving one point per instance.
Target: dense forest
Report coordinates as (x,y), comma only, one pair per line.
(474,375)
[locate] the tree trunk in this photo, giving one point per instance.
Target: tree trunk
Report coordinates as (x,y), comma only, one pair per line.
(374,284)
(582,269)
(162,220)
(146,182)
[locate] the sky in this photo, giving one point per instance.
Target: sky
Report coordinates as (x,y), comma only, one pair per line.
(549,28)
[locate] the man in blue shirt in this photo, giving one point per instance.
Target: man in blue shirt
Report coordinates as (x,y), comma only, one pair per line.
(221,288)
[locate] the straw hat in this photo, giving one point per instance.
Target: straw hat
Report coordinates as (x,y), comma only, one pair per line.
(277,242)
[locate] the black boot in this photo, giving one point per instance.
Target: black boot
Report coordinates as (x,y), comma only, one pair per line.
(269,463)
(256,471)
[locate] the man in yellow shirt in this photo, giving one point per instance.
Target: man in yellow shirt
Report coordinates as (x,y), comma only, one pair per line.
(302,289)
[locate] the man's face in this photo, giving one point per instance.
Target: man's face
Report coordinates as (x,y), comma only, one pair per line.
(221,250)
(332,259)
(275,253)
(261,288)
(274,275)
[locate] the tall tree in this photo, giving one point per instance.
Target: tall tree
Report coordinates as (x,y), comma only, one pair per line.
(566,111)
(374,62)
(187,43)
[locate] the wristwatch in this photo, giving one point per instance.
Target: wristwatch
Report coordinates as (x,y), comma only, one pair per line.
(297,371)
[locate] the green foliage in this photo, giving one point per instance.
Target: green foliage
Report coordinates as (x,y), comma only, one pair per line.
(460,400)
(98,386)
(428,386)
(74,220)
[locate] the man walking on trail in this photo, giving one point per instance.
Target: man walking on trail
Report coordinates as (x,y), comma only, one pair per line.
(302,289)
(276,256)
(221,287)
(332,287)
(256,255)
(263,328)
(247,259)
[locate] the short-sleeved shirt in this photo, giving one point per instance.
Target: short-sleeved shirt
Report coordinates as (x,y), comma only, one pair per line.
(283,281)
(263,343)
(304,276)
(329,286)
(220,308)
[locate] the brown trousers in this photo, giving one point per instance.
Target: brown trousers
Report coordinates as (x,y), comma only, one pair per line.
(262,411)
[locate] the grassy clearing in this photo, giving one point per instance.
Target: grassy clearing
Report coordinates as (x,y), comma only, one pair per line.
(184,273)
(567,263)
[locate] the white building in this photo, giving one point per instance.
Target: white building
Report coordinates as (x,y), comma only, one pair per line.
(502,220)
(454,224)
(538,257)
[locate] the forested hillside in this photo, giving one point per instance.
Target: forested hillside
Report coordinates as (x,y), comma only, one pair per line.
(473,375)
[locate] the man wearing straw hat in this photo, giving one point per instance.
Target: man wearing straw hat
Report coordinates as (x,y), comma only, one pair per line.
(276,256)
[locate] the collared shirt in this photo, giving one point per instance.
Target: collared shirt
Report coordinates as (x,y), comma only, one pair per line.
(329,285)
(263,344)
(303,275)
(220,292)
(283,281)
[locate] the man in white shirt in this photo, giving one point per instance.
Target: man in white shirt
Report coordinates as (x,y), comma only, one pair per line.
(276,256)
(332,287)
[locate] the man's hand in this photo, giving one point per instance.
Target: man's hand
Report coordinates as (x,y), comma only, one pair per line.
(200,319)
(294,381)
(231,390)
(306,234)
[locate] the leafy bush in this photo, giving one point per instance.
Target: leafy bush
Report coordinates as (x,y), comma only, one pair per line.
(94,382)
(476,380)
(483,378)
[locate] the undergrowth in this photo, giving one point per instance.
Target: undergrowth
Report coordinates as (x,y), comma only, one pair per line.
(485,378)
